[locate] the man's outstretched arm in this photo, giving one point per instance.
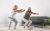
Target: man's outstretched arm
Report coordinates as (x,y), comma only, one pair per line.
(34,13)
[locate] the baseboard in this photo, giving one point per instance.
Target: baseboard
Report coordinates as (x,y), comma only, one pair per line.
(3,25)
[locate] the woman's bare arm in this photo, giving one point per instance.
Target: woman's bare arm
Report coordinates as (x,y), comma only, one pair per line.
(19,11)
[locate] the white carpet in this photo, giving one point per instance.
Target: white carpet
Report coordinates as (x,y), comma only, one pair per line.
(20,28)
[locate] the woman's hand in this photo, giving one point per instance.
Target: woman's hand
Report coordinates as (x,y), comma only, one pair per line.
(22,10)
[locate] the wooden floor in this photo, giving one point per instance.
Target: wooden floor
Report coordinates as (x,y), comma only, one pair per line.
(20,28)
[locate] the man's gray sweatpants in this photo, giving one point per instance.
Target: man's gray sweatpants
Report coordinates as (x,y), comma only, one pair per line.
(12,20)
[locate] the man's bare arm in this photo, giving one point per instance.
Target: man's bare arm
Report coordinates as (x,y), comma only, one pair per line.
(34,13)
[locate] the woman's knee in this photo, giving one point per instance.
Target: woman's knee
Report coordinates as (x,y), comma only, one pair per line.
(27,21)
(30,21)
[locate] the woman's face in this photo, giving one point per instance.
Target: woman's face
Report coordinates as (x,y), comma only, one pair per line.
(15,6)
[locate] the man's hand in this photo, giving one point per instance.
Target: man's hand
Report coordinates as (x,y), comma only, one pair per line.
(37,13)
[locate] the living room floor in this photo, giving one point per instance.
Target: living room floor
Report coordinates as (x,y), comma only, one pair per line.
(20,28)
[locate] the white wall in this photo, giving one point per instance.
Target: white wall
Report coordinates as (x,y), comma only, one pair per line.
(41,6)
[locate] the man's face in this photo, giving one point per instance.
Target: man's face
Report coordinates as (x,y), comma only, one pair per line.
(29,8)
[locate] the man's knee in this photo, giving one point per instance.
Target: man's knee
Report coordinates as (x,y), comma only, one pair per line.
(16,22)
